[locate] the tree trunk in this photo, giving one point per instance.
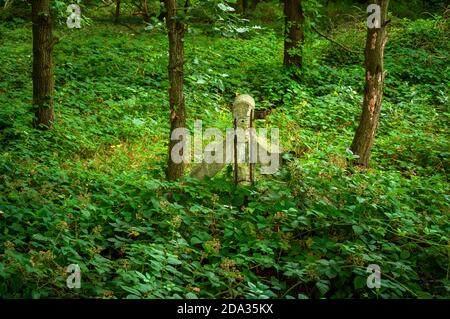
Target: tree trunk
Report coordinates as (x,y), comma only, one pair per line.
(246,5)
(117,15)
(253,4)
(239,6)
(43,85)
(145,14)
(176,97)
(294,37)
(373,94)
(242,6)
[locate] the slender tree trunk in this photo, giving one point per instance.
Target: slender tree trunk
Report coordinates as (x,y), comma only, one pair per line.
(43,85)
(117,15)
(242,6)
(253,4)
(373,95)
(294,36)
(239,6)
(187,5)
(176,97)
(246,5)
(145,13)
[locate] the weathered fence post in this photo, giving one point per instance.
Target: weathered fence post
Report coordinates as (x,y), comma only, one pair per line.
(243,116)
(243,148)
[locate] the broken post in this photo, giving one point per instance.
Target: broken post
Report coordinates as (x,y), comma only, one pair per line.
(243,115)
(243,148)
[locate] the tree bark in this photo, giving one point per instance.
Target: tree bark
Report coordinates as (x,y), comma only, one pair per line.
(176,96)
(239,6)
(43,84)
(294,36)
(145,13)
(373,94)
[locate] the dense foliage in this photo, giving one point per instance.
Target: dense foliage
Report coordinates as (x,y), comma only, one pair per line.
(92,192)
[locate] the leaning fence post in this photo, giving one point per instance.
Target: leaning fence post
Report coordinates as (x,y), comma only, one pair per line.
(243,114)
(243,148)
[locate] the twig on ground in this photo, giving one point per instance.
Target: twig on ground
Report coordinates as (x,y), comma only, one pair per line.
(334,41)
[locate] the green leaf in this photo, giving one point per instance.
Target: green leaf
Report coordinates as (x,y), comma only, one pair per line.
(404,254)
(225,7)
(133,291)
(191,295)
(196,240)
(138,122)
(357,229)
(323,286)
(359,282)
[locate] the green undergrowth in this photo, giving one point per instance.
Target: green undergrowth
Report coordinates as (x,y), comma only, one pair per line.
(92,191)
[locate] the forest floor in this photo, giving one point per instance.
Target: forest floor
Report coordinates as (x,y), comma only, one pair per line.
(92,192)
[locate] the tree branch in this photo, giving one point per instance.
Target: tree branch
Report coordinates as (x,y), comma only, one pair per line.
(334,41)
